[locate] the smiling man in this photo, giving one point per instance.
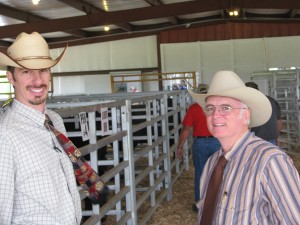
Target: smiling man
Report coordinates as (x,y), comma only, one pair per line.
(37,182)
(249,181)
(31,86)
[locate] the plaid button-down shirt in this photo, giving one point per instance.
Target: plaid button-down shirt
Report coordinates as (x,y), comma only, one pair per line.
(37,182)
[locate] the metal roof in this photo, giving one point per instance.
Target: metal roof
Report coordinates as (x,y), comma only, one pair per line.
(61,21)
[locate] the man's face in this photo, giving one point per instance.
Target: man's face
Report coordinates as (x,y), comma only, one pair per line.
(232,125)
(31,86)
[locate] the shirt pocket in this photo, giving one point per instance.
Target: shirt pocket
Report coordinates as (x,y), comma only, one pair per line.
(228,213)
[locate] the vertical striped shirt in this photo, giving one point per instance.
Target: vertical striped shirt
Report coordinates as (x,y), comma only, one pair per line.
(260,185)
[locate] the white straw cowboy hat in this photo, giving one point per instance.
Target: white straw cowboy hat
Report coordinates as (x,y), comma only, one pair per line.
(228,84)
(29,51)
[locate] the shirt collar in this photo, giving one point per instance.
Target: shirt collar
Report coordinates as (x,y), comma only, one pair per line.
(240,144)
(31,114)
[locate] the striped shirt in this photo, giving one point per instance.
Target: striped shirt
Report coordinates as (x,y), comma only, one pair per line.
(37,183)
(260,185)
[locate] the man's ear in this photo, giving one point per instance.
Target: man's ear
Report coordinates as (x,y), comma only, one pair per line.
(10,77)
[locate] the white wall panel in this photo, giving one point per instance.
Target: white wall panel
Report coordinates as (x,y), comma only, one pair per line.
(242,56)
(216,54)
(249,52)
(129,53)
(124,54)
(283,52)
(84,58)
(208,72)
(68,85)
(244,72)
(134,53)
(97,84)
(181,57)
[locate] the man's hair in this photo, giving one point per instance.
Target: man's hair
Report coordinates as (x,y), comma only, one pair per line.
(11,69)
(252,85)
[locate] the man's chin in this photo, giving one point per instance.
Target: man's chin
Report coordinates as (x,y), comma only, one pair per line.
(37,101)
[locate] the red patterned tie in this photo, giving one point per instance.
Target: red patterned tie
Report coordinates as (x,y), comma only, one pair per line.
(212,193)
(90,181)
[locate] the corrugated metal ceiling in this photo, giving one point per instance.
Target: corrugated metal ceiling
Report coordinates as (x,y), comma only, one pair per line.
(61,21)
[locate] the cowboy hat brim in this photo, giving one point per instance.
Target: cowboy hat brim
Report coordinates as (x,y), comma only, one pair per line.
(257,102)
(31,63)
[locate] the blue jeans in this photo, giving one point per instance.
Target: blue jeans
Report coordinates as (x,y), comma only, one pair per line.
(202,149)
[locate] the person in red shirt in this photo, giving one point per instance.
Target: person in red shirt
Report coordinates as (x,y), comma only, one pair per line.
(204,144)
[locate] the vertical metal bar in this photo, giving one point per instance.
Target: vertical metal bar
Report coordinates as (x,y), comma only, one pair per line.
(129,173)
(115,114)
(93,155)
(166,147)
(182,103)
(150,153)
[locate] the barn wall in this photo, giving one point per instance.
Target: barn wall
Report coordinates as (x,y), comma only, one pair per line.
(244,56)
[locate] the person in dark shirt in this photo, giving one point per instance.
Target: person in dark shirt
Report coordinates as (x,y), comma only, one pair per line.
(270,130)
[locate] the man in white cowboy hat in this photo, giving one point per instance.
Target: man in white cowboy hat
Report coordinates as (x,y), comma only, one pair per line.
(259,184)
(37,181)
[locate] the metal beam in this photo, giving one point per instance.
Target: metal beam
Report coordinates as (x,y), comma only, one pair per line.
(90,9)
(172,19)
(28,18)
(105,18)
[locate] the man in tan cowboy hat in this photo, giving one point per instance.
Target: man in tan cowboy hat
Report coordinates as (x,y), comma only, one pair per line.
(37,181)
(249,181)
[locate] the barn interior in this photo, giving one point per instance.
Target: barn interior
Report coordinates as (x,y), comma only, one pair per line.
(122,70)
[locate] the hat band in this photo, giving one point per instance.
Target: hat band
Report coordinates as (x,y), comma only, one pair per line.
(33,57)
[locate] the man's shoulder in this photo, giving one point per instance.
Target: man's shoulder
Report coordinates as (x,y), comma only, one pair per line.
(7,124)
(271,99)
(6,117)
(264,149)
(53,114)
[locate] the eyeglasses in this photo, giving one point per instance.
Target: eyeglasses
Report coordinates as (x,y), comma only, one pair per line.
(224,110)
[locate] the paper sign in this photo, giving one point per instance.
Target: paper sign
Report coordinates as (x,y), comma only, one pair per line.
(104,121)
(84,126)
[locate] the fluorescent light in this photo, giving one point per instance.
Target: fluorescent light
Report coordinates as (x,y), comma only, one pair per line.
(35,2)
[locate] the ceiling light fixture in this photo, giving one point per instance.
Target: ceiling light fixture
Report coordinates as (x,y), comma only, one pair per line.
(35,2)
(106,28)
(233,12)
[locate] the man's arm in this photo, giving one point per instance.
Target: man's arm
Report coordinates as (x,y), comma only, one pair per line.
(7,180)
(281,184)
(185,132)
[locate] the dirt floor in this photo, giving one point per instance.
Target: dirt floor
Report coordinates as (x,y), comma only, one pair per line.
(179,210)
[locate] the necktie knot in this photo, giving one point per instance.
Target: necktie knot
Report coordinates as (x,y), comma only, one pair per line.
(47,121)
(222,162)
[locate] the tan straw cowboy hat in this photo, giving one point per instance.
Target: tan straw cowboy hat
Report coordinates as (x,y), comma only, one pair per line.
(29,51)
(228,84)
